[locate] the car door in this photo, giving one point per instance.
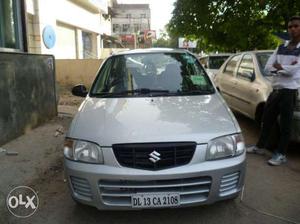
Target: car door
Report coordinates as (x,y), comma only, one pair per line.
(246,86)
(226,80)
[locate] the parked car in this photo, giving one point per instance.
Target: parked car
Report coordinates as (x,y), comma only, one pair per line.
(213,62)
(245,86)
(153,132)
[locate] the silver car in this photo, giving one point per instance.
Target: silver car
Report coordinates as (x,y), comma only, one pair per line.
(245,86)
(153,132)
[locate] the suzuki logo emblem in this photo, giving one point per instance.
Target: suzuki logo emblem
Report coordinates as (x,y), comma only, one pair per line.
(154,156)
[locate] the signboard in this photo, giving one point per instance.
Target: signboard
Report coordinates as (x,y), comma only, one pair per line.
(129,38)
(49,37)
(150,34)
(185,43)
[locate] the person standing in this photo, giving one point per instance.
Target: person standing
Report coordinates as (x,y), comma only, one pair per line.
(284,64)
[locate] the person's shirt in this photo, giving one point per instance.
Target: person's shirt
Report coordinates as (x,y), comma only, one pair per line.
(289,77)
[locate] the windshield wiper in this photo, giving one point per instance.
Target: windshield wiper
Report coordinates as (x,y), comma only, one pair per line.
(142,91)
(198,92)
(104,94)
(146,91)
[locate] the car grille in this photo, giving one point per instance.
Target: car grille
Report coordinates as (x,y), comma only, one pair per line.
(81,187)
(191,190)
(229,184)
(164,155)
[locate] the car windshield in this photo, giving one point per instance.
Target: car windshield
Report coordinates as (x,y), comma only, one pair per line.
(262,59)
(215,62)
(151,74)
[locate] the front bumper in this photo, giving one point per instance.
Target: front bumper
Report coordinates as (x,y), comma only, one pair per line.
(110,187)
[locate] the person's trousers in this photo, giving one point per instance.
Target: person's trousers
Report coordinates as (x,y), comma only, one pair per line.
(280,102)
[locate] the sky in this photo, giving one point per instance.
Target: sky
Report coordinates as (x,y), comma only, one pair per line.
(161,11)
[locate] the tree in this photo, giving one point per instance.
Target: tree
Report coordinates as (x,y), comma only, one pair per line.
(232,25)
(279,12)
(165,40)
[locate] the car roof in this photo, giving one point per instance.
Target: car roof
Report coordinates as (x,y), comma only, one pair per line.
(216,55)
(242,52)
(256,51)
(152,50)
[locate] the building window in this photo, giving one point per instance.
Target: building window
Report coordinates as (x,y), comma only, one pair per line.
(10,25)
(87,45)
(128,16)
(116,28)
(126,28)
(137,27)
(143,16)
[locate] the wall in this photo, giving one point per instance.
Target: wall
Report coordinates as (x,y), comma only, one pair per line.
(27,93)
(106,52)
(65,42)
(105,26)
(68,19)
(72,72)
(33,34)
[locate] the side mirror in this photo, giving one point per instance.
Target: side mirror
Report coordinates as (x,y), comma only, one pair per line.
(79,90)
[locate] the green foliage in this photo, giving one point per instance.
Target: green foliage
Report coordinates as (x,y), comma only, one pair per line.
(166,40)
(232,25)
(161,42)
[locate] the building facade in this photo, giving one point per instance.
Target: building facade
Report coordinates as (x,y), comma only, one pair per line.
(68,29)
(130,22)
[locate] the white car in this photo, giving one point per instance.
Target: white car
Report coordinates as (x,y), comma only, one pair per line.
(213,62)
(245,86)
(153,132)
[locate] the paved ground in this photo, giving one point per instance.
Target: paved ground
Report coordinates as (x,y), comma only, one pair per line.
(271,195)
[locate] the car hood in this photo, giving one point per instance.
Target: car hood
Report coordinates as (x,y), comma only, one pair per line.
(108,121)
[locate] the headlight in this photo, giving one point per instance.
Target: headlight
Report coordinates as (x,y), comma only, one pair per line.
(226,146)
(83,151)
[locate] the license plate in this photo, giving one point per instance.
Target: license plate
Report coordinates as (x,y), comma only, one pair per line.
(155,200)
